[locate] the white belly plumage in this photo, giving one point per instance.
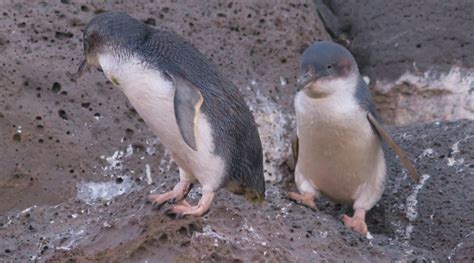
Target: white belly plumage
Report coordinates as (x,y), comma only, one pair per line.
(152,97)
(339,154)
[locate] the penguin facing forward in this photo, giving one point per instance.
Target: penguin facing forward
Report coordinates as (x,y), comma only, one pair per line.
(197,113)
(338,149)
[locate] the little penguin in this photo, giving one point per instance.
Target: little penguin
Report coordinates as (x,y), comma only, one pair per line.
(197,113)
(338,148)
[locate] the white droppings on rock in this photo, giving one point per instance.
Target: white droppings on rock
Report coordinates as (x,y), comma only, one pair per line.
(324,234)
(28,209)
(72,235)
(412,201)
(428,153)
(256,237)
(245,234)
(408,231)
(129,151)
(92,192)
(114,161)
(283,81)
(411,205)
(208,232)
(272,124)
(151,145)
(149,180)
(165,162)
(455,150)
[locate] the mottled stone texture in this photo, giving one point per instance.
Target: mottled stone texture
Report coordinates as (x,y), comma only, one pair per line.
(55,134)
(424,222)
(68,126)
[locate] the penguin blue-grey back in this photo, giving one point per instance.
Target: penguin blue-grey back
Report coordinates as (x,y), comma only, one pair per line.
(178,91)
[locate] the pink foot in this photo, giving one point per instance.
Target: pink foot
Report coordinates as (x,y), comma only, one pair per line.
(356,222)
(183,208)
(306,199)
(179,192)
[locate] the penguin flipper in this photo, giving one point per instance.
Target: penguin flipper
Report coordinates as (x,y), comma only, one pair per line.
(187,107)
(388,139)
(295,148)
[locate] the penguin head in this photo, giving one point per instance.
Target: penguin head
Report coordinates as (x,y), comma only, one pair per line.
(327,68)
(110,31)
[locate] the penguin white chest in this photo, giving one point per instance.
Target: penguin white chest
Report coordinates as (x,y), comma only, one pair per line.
(151,94)
(338,153)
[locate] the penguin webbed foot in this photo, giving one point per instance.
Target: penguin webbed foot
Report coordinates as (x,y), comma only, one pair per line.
(305,199)
(356,222)
(183,208)
(179,192)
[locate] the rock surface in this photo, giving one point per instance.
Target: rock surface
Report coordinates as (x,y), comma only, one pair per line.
(70,127)
(78,162)
(425,221)
(418,55)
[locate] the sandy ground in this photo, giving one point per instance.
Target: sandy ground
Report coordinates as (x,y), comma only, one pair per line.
(78,162)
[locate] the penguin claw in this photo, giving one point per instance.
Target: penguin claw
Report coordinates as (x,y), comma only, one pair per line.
(173,214)
(183,208)
(174,196)
(157,205)
(156,200)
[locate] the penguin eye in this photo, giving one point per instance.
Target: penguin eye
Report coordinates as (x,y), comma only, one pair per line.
(329,66)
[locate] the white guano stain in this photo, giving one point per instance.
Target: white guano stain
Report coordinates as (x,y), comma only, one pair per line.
(455,150)
(244,234)
(272,124)
(411,205)
(149,180)
(114,161)
(92,192)
(129,151)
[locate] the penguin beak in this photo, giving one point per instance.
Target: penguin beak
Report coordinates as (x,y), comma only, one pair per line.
(306,78)
(82,68)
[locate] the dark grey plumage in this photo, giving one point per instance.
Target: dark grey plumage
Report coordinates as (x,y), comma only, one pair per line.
(235,134)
